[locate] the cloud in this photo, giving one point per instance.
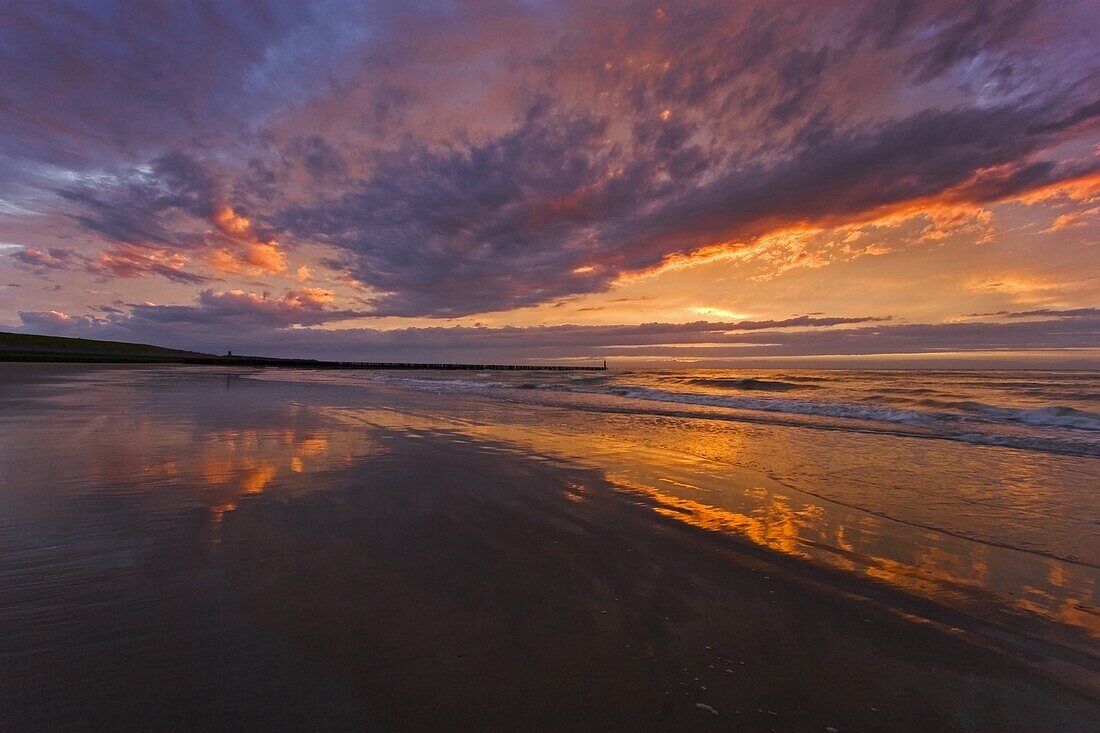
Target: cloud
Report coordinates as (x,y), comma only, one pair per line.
(141,205)
(121,261)
(246,252)
(1075,219)
(552,208)
(122,76)
(127,260)
(56,323)
(236,309)
(177,203)
(1043,313)
(456,232)
(965,32)
(41,261)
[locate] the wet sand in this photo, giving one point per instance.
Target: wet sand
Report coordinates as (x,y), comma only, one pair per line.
(182,553)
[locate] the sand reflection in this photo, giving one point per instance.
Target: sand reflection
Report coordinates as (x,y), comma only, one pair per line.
(981,579)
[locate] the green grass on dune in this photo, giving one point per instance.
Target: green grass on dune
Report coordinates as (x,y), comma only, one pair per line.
(23,345)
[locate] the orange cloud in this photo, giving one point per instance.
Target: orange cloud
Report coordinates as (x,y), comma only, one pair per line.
(234,225)
(127,260)
(956,211)
(315,298)
(247,252)
(1084,188)
(1074,219)
(724,251)
(1026,289)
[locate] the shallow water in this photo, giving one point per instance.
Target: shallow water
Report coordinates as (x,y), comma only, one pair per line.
(993,510)
(138,505)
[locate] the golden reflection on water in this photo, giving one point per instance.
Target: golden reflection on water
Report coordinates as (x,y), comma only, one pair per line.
(226,464)
(245,462)
(720,497)
(944,572)
(936,571)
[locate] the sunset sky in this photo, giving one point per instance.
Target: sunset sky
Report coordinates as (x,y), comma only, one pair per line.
(720,182)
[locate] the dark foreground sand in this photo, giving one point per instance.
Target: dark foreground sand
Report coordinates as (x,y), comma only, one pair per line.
(441,586)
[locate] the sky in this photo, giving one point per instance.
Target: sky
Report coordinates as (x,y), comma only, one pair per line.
(710,183)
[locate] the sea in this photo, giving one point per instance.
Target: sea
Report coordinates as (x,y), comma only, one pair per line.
(1048,411)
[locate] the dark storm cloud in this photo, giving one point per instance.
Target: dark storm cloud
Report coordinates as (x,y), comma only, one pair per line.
(562,205)
(840,174)
(1084,113)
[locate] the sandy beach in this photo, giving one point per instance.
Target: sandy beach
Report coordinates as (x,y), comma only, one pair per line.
(193,549)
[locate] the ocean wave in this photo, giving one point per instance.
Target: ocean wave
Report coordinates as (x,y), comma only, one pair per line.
(590,379)
(1058,416)
(766,404)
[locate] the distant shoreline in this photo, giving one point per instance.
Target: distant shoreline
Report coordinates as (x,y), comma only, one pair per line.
(256,361)
(23,348)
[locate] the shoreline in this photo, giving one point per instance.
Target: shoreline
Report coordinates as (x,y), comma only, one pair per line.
(281,363)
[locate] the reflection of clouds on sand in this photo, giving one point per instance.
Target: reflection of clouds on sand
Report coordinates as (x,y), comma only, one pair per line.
(976,577)
(775,525)
(229,462)
(957,573)
(199,448)
(1061,607)
(247,461)
(954,571)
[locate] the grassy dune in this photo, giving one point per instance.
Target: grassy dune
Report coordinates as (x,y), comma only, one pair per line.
(32,347)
